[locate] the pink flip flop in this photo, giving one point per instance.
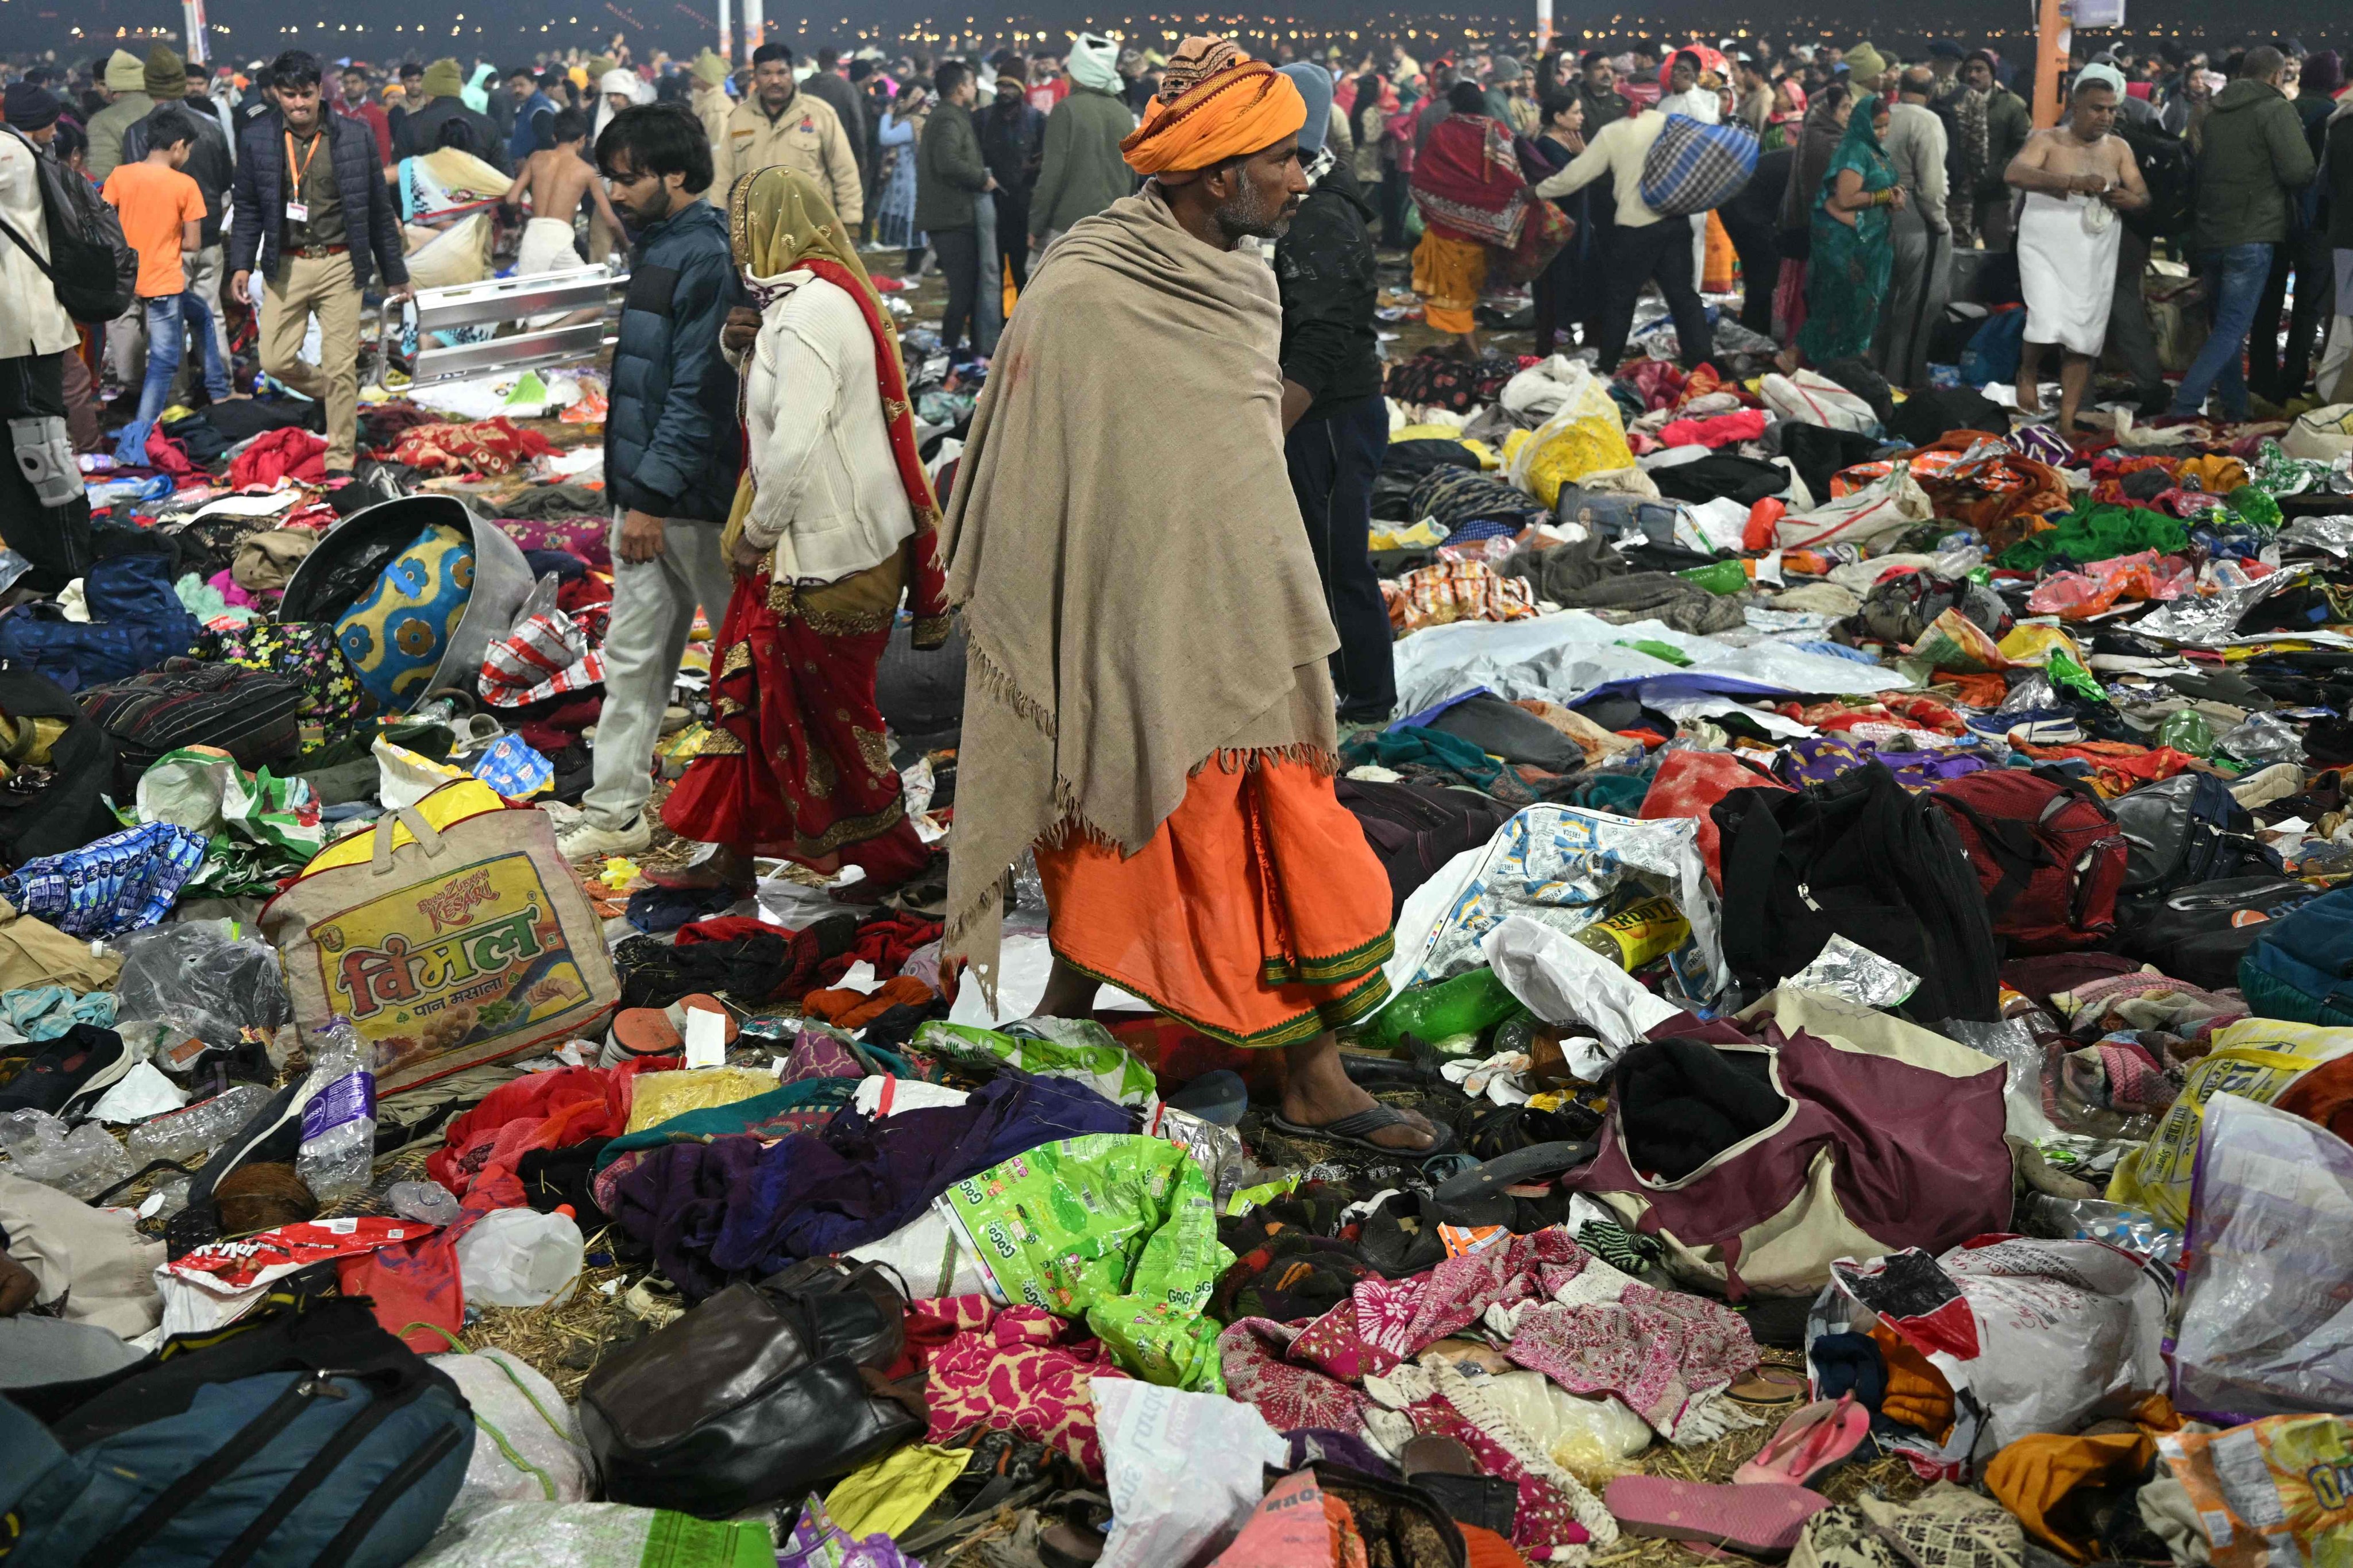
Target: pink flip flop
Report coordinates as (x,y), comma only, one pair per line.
(1812,1441)
(1762,1521)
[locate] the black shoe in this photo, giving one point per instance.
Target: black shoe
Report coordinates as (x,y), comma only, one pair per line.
(69,1074)
(272,1136)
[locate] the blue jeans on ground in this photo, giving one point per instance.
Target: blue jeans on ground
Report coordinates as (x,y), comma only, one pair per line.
(2234,282)
(170,319)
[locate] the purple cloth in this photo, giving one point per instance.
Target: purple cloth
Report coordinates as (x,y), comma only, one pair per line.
(1818,759)
(735,1208)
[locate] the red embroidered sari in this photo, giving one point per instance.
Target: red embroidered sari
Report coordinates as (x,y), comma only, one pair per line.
(797,763)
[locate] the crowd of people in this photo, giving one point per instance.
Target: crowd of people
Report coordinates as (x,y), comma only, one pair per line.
(1186,793)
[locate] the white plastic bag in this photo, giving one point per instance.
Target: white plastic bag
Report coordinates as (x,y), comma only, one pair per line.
(1812,398)
(2030,1335)
(530,1449)
(1561,981)
(2265,1329)
(1182,1471)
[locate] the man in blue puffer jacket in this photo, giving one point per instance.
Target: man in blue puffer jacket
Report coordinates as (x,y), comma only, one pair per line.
(672,449)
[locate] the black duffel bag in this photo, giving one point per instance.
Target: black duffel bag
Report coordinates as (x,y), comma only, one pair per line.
(754,1397)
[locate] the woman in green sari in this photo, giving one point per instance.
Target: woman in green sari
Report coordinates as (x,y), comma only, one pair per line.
(1853,252)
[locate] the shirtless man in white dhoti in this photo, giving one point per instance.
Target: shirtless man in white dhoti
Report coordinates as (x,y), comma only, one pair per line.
(2078,178)
(557,179)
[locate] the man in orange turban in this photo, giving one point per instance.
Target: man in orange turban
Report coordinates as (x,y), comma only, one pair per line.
(1148,702)
(1214,103)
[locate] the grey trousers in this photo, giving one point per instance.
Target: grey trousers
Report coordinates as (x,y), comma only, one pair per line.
(1917,291)
(36,1349)
(2130,337)
(653,611)
(988,305)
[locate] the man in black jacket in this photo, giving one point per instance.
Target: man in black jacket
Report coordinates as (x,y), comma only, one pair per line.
(1335,420)
(430,121)
(313,216)
(672,451)
(1012,143)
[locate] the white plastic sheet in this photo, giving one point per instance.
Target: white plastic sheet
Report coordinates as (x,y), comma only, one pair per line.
(1561,658)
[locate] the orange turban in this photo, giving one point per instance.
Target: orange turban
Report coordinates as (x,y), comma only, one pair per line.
(1214,103)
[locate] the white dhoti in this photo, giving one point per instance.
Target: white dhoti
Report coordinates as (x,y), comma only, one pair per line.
(546,246)
(2067,269)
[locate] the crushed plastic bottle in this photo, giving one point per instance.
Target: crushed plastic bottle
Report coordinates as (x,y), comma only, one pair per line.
(2188,731)
(81,1164)
(428,1202)
(199,1128)
(338,1148)
(519,1258)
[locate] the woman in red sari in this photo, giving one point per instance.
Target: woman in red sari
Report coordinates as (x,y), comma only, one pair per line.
(834,520)
(1468,184)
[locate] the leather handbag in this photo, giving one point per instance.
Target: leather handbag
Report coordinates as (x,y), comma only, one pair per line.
(754,1396)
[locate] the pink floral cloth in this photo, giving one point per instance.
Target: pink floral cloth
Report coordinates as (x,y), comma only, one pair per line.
(1386,1322)
(1652,1350)
(1019,1369)
(1292,1397)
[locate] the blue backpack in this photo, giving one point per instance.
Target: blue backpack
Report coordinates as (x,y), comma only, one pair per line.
(303,1434)
(1993,352)
(2301,966)
(136,622)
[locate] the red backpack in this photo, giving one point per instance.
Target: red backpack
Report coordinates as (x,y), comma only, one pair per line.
(2047,852)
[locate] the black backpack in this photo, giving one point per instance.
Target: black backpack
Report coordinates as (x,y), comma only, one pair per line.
(2199,933)
(2164,159)
(2185,830)
(69,810)
(1414,828)
(92,267)
(1860,858)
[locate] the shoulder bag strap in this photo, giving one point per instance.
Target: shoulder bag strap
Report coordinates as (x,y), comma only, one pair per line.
(428,837)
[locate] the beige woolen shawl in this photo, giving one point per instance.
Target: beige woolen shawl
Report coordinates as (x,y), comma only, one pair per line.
(1137,585)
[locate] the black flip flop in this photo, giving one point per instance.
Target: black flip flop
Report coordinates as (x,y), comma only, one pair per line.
(1355,1131)
(1510,1170)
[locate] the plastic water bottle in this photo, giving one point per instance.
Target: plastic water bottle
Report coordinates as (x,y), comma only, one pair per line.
(519,1258)
(338,1114)
(200,1129)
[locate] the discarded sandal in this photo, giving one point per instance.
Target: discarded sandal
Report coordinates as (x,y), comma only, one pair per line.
(660,1031)
(1770,1386)
(1812,1441)
(1763,1521)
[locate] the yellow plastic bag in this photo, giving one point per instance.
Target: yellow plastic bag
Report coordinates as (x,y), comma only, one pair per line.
(2033,644)
(1585,437)
(2255,1059)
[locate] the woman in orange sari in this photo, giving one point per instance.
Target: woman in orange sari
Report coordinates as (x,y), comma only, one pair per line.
(834,520)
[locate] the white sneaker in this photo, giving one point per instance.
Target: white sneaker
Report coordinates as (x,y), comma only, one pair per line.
(584,839)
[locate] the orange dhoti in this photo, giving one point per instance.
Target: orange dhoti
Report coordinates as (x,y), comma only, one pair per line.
(1449,273)
(1256,913)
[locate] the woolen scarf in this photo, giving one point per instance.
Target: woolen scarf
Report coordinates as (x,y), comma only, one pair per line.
(1137,589)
